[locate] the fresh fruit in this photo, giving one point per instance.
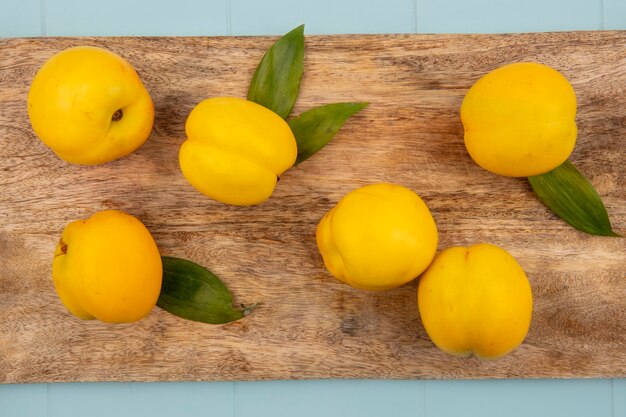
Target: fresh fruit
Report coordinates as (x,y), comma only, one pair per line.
(519,120)
(89,106)
(378,237)
(236,150)
(476,300)
(107,268)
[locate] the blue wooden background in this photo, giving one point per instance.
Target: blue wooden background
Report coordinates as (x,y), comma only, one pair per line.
(571,398)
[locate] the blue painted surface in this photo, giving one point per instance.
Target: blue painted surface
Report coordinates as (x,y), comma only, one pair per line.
(363,398)
(498,16)
(614,14)
(137,17)
(253,17)
(572,398)
(20,18)
(140,399)
(23,400)
(552,398)
(619,398)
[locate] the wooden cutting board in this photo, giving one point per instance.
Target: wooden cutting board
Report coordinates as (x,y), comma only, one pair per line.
(310,325)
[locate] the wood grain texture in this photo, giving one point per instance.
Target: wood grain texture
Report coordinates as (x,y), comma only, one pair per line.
(310,325)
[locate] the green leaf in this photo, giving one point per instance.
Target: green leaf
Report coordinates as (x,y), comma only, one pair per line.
(566,192)
(194,293)
(276,81)
(314,128)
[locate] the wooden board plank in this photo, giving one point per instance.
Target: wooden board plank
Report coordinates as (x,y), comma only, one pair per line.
(310,325)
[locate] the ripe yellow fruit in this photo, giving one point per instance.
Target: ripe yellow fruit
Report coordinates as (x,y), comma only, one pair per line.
(378,237)
(475,300)
(89,106)
(236,150)
(107,268)
(519,120)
